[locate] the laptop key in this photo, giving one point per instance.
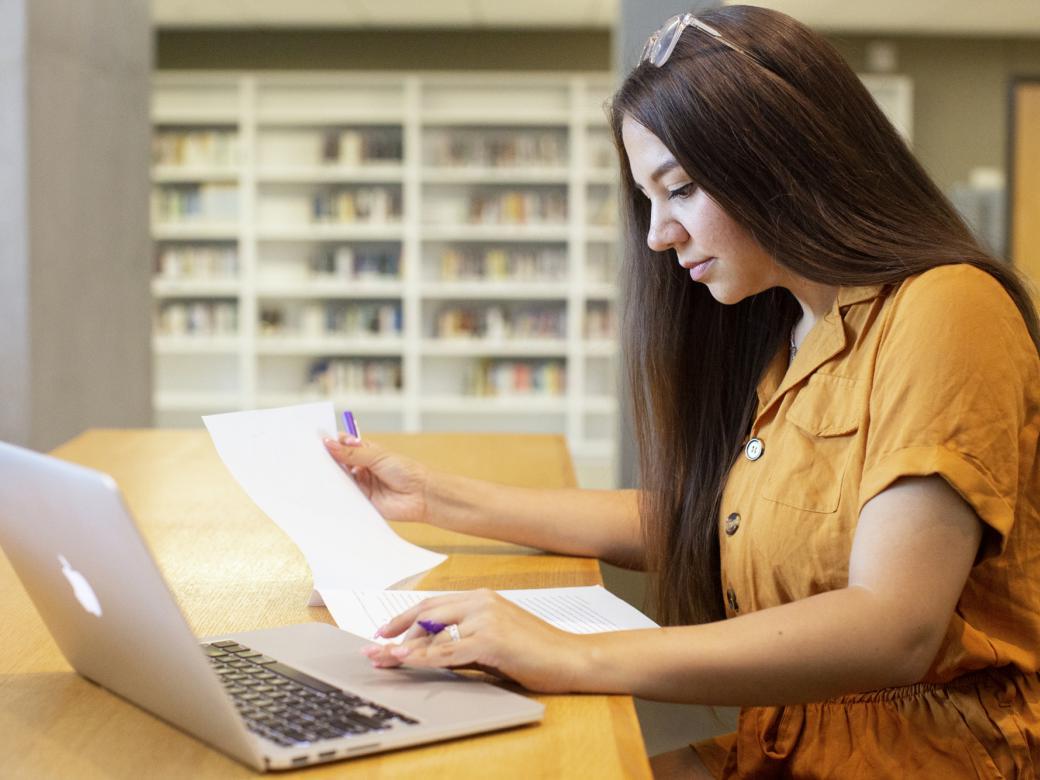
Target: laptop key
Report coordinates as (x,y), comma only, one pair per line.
(290,707)
(300,677)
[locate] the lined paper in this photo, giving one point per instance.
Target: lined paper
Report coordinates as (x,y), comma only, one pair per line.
(581,610)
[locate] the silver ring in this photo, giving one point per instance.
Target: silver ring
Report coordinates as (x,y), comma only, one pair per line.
(453,632)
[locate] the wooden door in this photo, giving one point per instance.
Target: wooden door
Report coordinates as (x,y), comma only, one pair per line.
(1024,241)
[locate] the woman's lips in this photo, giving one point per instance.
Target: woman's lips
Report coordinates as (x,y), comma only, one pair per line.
(698,270)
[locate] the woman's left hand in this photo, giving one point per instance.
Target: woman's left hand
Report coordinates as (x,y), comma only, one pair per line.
(495,636)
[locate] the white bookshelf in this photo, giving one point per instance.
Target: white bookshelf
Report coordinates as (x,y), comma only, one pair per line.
(268,180)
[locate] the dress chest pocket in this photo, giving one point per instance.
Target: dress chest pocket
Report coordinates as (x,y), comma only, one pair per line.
(813,441)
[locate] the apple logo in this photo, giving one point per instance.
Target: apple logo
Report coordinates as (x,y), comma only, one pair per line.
(84,593)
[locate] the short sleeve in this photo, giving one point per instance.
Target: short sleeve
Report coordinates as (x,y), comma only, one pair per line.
(951,394)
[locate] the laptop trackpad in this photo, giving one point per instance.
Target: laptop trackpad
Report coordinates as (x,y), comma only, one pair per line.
(330,654)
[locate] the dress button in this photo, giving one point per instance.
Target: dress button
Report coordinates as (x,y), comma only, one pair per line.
(731,599)
(754,449)
(732,524)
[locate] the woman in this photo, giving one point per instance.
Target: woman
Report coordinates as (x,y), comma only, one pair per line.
(837,403)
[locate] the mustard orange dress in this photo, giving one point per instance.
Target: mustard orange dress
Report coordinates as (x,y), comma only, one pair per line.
(936,375)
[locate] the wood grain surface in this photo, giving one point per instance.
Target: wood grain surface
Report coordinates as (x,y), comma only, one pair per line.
(231,569)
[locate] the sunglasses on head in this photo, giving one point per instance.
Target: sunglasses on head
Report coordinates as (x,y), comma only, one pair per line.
(661,44)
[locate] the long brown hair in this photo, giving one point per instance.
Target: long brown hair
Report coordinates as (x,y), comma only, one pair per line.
(797,152)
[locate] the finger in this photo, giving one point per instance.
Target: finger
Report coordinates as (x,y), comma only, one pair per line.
(427,609)
(441,655)
(351,451)
(380,655)
(391,654)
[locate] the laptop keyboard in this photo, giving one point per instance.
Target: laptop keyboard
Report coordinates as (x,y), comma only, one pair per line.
(289,707)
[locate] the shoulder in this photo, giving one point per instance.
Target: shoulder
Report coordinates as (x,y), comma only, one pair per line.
(955,287)
(957,320)
(956,301)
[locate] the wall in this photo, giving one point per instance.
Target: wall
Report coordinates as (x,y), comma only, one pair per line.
(384,50)
(960,96)
(74,248)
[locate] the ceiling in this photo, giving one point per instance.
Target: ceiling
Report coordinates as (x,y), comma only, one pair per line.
(935,17)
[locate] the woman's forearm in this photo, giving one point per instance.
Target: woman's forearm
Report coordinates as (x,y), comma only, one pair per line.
(596,523)
(827,645)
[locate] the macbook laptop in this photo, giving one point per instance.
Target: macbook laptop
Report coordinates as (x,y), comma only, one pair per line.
(273,699)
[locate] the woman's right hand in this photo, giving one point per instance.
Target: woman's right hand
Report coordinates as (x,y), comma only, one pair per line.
(396,485)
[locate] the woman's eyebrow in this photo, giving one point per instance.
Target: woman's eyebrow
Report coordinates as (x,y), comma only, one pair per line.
(663,168)
(659,171)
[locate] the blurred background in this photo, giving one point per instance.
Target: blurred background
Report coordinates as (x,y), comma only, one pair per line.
(406,207)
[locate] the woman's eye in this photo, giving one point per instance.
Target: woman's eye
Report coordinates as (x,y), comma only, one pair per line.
(684,191)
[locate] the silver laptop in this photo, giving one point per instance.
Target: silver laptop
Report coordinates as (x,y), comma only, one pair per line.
(273,699)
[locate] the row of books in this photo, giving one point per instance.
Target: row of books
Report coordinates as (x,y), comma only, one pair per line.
(497,206)
(195,148)
(516,378)
(201,261)
(457,147)
(332,319)
(197,318)
(496,148)
(195,202)
(602,207)
(602,153)
(356,262)
(360,147)
(357,204)
(544,264)
(343,376)
(524,321)
(599,322)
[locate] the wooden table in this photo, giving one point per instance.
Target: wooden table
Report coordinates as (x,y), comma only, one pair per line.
(232,570)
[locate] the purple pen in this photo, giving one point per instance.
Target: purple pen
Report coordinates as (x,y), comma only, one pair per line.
(350,424)
(431,626)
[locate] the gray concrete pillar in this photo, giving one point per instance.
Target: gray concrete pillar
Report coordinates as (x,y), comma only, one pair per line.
(75,307)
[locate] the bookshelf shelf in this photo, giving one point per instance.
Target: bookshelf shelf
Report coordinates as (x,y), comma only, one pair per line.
(492,175)
(329,289)
(478,347)
(190,288)
(196,345)
(199,173)
(600,348)
(497,233)
(330,232)
(508,404)
(506,290)
(289,345)
(603,291)
(477,117)
(195,231)
(306,174)
(304,117)
(357,402)
(493,186)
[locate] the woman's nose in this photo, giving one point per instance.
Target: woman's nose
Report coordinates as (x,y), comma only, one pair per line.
(664,233)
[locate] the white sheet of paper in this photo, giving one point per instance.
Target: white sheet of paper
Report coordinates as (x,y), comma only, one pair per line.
(278,458)
(582,610)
